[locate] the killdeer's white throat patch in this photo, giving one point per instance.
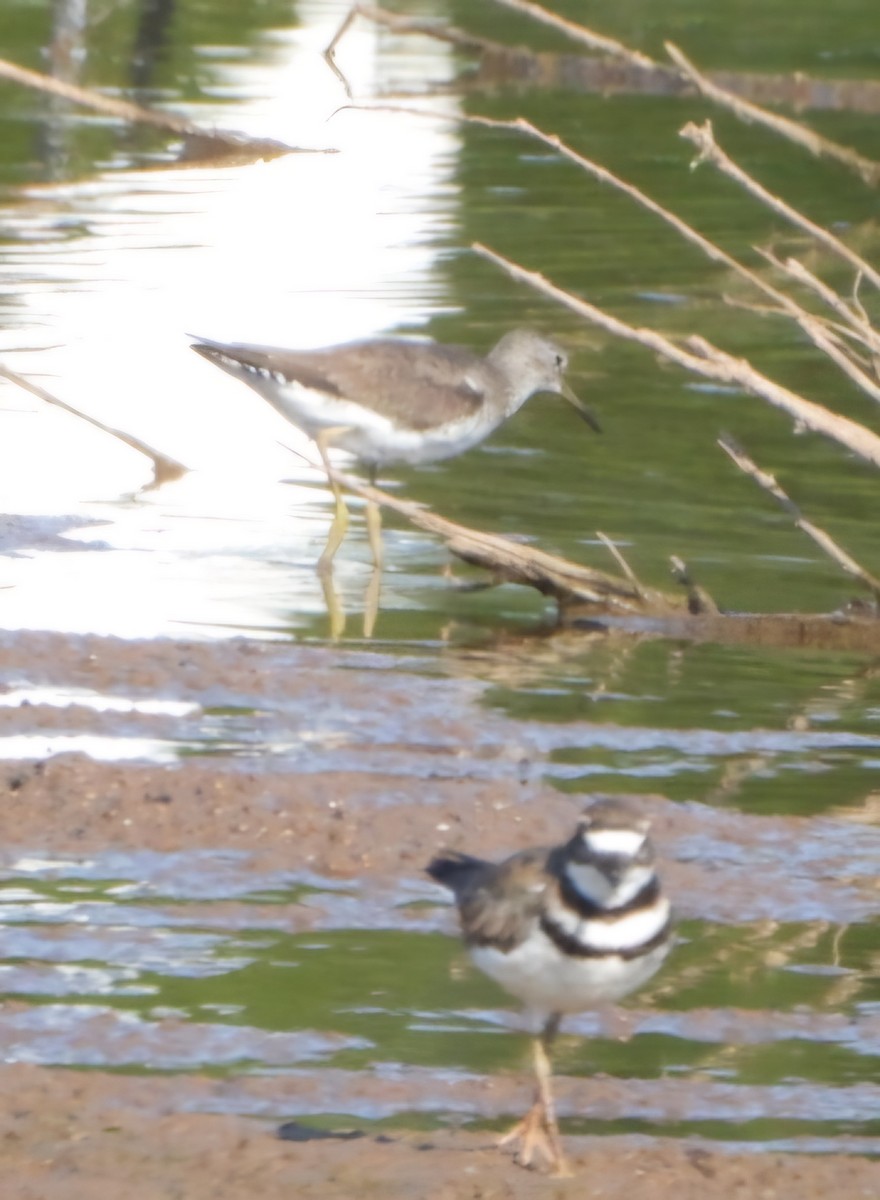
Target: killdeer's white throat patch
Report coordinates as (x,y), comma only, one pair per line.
(615,841)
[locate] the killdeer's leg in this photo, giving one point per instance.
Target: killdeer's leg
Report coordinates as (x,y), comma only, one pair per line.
(339,528)
(538,1130)
(544,1075)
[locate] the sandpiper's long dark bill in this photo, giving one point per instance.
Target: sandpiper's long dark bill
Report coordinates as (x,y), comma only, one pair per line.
(387,400)
(564,928)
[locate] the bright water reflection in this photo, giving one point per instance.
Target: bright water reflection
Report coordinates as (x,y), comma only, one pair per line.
(107,277)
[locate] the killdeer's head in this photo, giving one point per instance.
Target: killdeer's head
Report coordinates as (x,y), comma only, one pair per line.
(610,860)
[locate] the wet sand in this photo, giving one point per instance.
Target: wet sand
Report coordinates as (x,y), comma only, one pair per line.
(72,1134)
(67,1136)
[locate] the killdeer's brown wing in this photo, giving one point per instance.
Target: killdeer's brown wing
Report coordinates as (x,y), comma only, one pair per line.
(417,385)
(499,903)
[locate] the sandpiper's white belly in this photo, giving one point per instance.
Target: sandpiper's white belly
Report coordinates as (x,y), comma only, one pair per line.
(370,436)
(547,980)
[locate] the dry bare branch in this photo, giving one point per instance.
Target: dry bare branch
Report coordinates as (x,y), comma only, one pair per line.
(709,151)
(854,316)
(754,114)
(812,326)
(578,33)
(164,468)
(702,358)
(216,141)
(820,537)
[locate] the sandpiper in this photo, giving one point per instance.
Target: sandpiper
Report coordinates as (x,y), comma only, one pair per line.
(389,400)
(563,929)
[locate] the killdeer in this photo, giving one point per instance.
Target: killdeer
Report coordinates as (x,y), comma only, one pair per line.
(563,929)
(387,400)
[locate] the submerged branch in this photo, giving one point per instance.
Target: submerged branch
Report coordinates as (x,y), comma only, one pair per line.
(614,69)
(594,599)
(567,582)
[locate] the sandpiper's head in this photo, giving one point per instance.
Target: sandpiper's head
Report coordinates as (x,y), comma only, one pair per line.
(610,859)
(533,363)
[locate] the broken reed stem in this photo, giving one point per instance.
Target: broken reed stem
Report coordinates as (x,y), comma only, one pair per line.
(702,358)
(820,537)
(164,468)
(699,601)
(857,323)
(753,114)
(617,555)
(709,151)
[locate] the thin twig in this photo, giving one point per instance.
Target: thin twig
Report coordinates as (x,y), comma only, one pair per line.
(820,537)
(617,555)
(751,113)
(164,468)
(578,33)
(125,110)
(709,151)
(854,316)
(810,324)
(702,358)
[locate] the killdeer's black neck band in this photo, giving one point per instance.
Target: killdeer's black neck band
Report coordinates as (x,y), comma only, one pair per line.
(591,911)
(573,946)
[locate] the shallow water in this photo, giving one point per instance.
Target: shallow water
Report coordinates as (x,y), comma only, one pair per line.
(760,1030)
(765,1025)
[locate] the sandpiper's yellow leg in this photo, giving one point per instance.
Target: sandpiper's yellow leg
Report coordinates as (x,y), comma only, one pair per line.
(335,611)
(371,602)
(374,532)
(374,587)
(339,527)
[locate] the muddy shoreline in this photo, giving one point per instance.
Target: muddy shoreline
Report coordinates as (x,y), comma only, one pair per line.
(66,1135)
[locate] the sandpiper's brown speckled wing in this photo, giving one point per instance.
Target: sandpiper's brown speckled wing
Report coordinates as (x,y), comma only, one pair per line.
(414,384)
(498,902)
